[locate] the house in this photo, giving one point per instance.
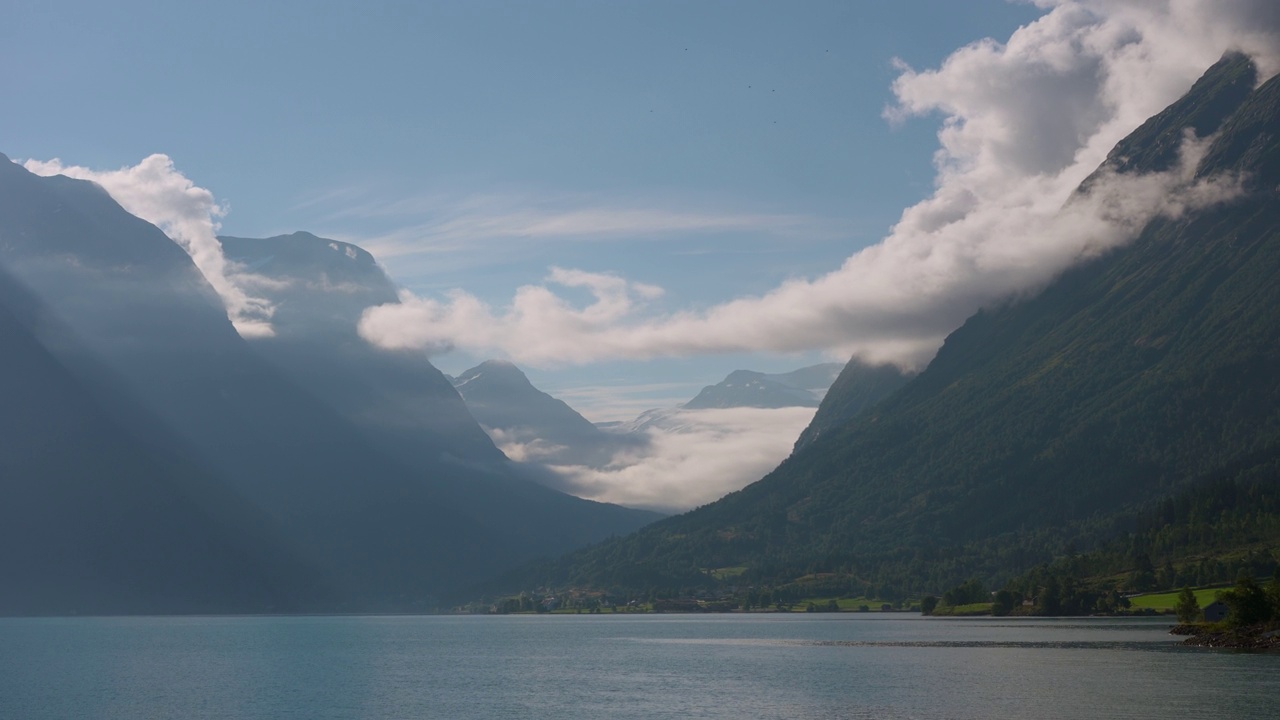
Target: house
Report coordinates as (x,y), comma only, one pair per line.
(1216,611)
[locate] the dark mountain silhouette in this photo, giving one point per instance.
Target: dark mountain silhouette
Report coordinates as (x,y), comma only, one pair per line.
(93,519)
(319,288)
(1041,425)
(388,521)
(858,387)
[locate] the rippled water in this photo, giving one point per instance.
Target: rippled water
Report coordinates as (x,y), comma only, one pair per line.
(681,666)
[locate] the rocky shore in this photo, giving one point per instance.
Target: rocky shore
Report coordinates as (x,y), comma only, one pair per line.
(1255,637)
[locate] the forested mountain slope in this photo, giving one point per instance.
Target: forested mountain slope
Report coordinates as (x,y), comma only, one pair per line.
(1040,423)
(858,386)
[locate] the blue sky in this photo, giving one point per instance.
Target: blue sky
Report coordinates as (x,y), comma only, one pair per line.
(713,149)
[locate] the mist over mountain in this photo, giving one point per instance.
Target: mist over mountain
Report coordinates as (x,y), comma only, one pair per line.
(362,465)
(316,285)
(1043,423)
(318,288)
(534,426)
(666,459)
(183,440)
(94,519)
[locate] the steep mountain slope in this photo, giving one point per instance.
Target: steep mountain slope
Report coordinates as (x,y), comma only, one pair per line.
(319,287)
(141,330)
(667,459)
(532,424)
(537,427)
(404,407)
(858,387)
(746,388)
(95,520)
(1040,423)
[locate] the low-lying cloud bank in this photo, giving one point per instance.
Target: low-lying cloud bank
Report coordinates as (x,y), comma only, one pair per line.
(158,193)
(1024,122)
(698,457)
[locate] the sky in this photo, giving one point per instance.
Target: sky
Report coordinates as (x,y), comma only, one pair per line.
(712,149)
(632,199)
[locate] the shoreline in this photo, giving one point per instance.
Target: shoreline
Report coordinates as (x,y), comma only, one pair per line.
(1265,637)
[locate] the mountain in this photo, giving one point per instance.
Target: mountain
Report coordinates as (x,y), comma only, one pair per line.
(94,520)
(643,462)
(1043,424)
(386,487)
(745,388)
(531,423)
(538,427)
(857,387)
(740,389)
(401,402)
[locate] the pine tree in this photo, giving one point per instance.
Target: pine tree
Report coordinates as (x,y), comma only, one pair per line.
(1248,603)
(1273,594)
(1188,607)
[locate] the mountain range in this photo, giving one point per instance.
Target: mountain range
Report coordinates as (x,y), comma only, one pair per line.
(152,460)
(536,426)
(1044,424)
(533,425)
(746,388)
(142,419)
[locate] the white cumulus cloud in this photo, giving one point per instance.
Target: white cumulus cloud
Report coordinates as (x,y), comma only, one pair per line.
(157,192)
(1024,121)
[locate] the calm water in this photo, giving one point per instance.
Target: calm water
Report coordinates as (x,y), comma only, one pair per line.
(740,667)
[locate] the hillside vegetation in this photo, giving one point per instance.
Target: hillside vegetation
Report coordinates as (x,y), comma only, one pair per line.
(1043,427)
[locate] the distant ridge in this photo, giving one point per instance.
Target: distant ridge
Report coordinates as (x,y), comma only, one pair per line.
(745,388)
(543,428)
(1041,426)
(302,472)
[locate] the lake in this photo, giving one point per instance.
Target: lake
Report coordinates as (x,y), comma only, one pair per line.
(626,666)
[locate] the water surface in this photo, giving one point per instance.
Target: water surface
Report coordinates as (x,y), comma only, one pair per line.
(653,666)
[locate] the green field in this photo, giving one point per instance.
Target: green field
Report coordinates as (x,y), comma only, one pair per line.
(1167,601)
(725,573)
(846,604)
(963,610)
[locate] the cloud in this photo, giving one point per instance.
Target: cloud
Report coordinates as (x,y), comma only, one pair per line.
(523,450)
(700,456)
(540,319)
(1023,123)
(158,193)
(458,225)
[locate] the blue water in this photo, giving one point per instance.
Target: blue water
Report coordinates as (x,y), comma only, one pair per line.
(733,666)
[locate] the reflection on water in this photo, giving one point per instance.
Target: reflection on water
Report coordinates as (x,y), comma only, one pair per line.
(761,666)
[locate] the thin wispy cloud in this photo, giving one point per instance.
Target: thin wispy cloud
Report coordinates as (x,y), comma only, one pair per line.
(433,224)
(1024,122)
